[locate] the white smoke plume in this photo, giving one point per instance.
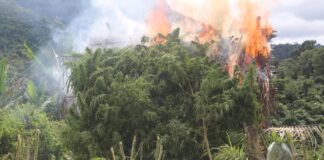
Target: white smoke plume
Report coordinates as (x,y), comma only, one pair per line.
(107,23)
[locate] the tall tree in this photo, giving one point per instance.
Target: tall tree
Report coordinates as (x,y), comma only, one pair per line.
(249,107)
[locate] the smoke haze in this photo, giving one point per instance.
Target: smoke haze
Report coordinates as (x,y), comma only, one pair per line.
(108,22)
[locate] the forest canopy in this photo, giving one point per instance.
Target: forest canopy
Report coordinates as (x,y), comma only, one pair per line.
(166,90)
(160,99)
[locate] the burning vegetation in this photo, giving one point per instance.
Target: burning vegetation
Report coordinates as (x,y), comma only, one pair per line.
(239,31)
(204,72)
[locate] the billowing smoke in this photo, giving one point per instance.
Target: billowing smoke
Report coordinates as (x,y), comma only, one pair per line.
(108,23)
(105,23)
(235,26)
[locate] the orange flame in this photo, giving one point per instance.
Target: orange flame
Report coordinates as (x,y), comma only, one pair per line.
(158,21)
(255,29)
(199,19)
(207,33)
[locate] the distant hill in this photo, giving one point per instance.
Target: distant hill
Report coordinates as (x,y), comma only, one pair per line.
(19,25)
(284,51)
(62,10)
(300,86)
(33,21)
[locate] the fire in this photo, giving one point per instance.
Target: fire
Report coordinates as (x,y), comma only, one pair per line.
(255,29)
(238,32)
(158,21)
(217,22)
(207,33)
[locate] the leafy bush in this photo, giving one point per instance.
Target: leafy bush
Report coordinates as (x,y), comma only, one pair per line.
(231,151)
(166,90)
(25,121)
(300,87)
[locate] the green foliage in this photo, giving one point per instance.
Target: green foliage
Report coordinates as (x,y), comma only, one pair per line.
(246,99)
(19,25)
(230,151)
(284,51)
(319,154)
(300,87)
(275,137)
(307,45)
(214,97)
(160,90)
(24,121)
(32,92)
(29,52)
(98,158)
(3,75)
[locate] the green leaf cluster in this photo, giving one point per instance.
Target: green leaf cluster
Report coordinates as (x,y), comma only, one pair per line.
(163,90)
(23,122)
(3,75)
(300,84)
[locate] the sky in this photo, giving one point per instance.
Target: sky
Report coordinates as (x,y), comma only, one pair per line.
(298,20)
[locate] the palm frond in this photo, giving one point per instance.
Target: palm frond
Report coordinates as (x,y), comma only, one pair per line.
(3,74)
(31,91)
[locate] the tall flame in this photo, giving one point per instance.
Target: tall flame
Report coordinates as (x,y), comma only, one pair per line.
(239,33)
(207,33)
(158,21)
(238,27)
(256,30)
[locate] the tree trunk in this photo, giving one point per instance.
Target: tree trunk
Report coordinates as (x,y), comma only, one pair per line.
(254,150)
(206,140)
(113,153)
